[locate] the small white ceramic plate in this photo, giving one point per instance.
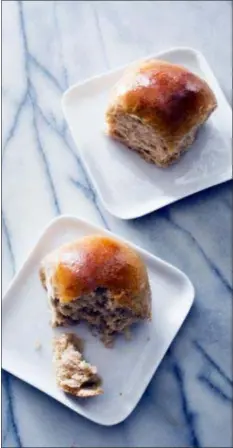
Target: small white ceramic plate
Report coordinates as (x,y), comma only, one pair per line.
(128,186)
(127,368)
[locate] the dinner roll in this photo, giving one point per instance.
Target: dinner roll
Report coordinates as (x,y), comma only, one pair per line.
(99,280)
(156,109)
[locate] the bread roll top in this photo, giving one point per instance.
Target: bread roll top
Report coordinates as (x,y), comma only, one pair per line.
(167,96)
(93,262)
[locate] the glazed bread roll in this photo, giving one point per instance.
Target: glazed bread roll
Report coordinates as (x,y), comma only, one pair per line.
(99,280)
(156,109)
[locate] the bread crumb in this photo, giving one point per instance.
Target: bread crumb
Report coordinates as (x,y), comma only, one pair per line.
(38,345)
(128,334)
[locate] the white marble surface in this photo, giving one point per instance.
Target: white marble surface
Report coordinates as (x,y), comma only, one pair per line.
(46,47)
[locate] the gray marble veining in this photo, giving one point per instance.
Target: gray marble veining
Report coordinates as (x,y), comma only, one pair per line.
(46,47)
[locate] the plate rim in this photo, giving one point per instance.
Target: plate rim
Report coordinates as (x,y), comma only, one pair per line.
(198,54)
(8,364)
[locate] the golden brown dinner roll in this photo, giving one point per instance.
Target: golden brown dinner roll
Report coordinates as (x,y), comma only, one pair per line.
(73,374)
(156,109)
(100,280)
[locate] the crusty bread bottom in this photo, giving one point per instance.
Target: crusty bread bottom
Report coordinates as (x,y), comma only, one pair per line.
(73,374)
(98,310)
(143,139)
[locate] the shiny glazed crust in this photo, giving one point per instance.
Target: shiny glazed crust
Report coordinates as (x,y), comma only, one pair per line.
(165,96)
(96,261)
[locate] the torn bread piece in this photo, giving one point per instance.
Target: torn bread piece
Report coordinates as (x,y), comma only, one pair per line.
(73,374)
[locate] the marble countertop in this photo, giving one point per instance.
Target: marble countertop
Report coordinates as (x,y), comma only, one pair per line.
(46,47)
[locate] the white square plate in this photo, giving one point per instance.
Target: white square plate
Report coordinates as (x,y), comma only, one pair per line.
(128,186)
(128,367)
